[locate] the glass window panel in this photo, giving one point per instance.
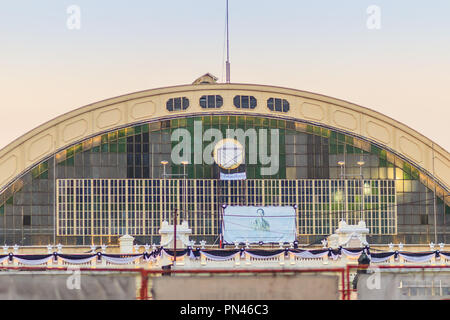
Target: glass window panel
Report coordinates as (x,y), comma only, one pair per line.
(277,104)
(270,104)
(253,102)
(185,103)
(177,104)
(237,101)
(245,102)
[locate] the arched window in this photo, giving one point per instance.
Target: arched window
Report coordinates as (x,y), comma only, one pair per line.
(177,104)
(279,105)
(245,102)
(212,101)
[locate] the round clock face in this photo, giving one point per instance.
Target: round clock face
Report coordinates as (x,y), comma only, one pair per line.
(229,154)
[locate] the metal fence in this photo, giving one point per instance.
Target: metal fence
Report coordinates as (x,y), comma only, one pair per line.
(378,282)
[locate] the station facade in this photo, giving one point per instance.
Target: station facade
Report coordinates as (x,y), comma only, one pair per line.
(123,165)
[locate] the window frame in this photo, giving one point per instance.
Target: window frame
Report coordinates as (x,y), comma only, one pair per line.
(182,102)
(206,101)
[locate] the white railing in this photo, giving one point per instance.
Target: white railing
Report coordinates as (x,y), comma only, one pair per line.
(237,261)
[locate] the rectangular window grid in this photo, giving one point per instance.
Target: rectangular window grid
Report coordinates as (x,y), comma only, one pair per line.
(111,207)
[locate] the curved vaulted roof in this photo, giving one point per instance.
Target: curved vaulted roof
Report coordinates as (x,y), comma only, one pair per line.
(77,125)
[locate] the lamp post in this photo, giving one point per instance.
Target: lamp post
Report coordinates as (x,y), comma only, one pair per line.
(342,164)
(434,197)
(175,237)
(164,163)
(184,163)
(360,164)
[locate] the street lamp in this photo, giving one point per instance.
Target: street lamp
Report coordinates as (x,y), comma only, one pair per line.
(342,164)
(164,163)
(360,164)
(184,163)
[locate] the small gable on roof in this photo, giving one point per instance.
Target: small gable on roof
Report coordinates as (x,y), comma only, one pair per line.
(207,78)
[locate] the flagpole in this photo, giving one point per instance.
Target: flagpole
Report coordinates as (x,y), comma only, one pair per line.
(228,51)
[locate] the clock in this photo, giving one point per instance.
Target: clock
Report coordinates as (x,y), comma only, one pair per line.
(229,154)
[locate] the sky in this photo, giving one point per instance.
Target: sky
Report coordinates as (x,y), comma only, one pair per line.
(401,69)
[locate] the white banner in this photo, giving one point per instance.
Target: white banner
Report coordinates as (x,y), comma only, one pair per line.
(255,224)
(233,176)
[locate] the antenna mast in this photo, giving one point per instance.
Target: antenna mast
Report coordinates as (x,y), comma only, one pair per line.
(228,51)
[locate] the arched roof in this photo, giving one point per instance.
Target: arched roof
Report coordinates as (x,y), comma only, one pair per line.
(77,125)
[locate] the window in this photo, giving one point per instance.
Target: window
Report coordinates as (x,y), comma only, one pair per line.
(209,102)
(27,220)
(423,219)
(245,102)
(279,105)
(177,104)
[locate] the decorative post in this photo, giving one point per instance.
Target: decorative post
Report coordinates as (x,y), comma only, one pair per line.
(292,256)
(202,259)
(126,244)
(247,259)
(103,261)
(5,251)
(325,259)
(59,248)
(441,248)
(49,251)
(237,258)
(432,261)
(281,257)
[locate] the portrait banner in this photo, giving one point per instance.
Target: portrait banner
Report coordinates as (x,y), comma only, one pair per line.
(259,224)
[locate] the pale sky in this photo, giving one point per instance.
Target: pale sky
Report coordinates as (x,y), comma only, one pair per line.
(401,70)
